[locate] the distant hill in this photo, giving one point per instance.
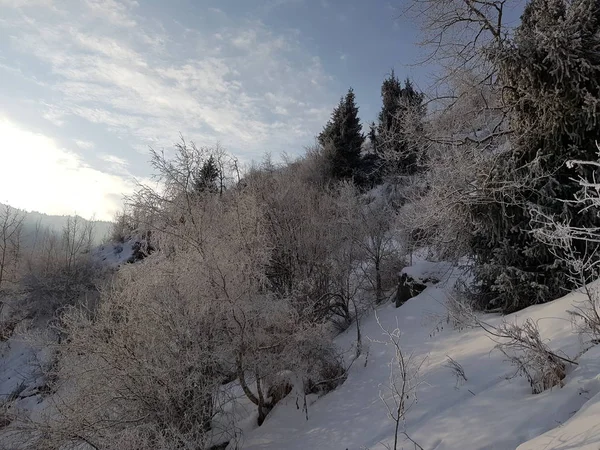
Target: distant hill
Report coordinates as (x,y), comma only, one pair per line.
(33,219)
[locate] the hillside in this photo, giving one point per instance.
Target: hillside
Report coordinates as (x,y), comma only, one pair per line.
(353,234)
(492,409)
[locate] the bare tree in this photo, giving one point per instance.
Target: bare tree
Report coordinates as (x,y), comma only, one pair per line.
(11,227)
(403,384)
(59,268)
(368,224)
(463,34)
(465,130)
(77,238)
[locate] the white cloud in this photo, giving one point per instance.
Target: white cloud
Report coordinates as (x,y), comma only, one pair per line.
(113,159)
(117,13)
(26,3)
(141,82)
(85,145)
(116,164)
(123,77)
(54,115)
(37,174)
(281,110)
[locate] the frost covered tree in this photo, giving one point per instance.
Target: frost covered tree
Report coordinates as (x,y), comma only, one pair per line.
(551,79)
(223,305)
(58,268)
(402,107)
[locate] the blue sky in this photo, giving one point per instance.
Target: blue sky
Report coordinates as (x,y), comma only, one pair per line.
(88,85)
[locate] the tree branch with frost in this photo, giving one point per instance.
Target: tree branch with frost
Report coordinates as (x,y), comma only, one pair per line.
(459,33)
(522,344)
(576,246)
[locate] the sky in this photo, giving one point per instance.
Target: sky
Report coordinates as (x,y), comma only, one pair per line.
(87,86)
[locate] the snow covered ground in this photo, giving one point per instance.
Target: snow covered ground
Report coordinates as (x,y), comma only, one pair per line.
(491,410)
(113,255)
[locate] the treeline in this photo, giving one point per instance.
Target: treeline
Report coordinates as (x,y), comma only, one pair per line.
(389,148)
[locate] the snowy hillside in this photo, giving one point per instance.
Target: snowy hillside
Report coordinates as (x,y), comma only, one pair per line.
(492,409)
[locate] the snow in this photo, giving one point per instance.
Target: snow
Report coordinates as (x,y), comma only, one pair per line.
(491,410)
(18,366)
(113,255)
(427,270)
(21,378)
(582,431)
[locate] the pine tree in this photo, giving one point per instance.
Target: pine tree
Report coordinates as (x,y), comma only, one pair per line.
(343,137)
(552,79)
(389,136)
(207,177)
(391,91)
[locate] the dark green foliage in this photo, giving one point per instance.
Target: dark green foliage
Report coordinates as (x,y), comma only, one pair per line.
(552,77)
(343,139)
(370,173)
(389,136)
(207,177)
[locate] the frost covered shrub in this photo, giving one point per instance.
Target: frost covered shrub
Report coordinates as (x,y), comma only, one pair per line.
(525,348)
(143,367)
(157,358)
(522,344)
(319,363)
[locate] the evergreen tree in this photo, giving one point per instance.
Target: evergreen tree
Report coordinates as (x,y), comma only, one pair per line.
(389,136)
(373,135)
(343,137)
(552,79)
(207,177)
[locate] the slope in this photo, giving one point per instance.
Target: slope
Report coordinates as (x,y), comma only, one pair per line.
(492,409)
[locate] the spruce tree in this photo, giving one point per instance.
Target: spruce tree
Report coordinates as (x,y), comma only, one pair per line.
(389,136)
(343,137)
(551,74)
(207,176)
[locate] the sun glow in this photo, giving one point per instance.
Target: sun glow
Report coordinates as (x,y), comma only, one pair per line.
(37,174)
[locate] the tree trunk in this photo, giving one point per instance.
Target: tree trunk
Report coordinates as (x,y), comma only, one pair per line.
(378,287)
(263,407)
